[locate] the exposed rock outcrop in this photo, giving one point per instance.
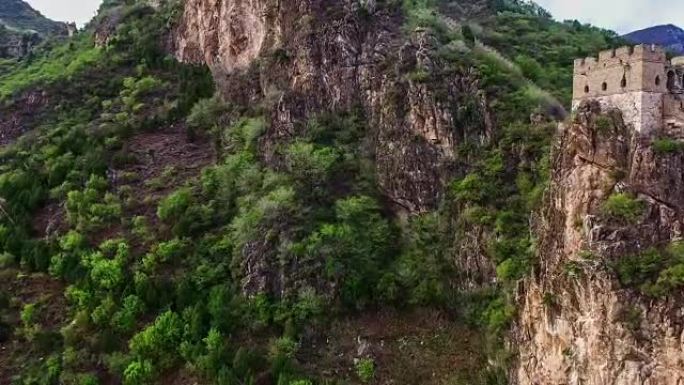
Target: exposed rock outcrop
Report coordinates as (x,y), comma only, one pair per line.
(311,56)
(22,115)
(578,324)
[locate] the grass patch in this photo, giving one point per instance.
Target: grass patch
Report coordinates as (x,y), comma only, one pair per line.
(667,146)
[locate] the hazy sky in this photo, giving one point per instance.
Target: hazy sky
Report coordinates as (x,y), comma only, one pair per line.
(80,11)
(619,15)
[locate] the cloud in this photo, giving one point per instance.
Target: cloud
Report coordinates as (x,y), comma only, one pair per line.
(80,11)
(622,16)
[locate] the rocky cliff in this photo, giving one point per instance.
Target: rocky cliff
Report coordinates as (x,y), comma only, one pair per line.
(313,56)
(581,322)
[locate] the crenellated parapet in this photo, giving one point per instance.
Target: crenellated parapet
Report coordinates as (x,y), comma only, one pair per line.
(621,56)
(639,68)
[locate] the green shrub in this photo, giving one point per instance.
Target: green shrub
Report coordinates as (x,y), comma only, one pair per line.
(140,372)
(499,314)
(669,280)
(472,188)
(159,342)
(623,207)
(92,208)
(365,369)
(282,353)
(604,124)
(511,270)
(636,269)
(355,248)
(125,318)
(654,272)
(206,114)
(667,146)
(310,164)
(174,206)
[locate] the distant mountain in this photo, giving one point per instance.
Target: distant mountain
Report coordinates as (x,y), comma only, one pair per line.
(669,36)
(22,28)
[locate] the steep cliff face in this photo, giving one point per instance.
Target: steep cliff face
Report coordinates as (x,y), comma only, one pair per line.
(578,323)
(313,56)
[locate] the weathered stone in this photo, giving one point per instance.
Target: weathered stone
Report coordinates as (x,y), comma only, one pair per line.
(591,335)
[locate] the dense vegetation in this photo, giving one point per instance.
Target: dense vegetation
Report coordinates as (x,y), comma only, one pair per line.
(157,271)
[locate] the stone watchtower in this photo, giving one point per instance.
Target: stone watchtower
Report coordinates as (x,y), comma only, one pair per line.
(641,82)
(632,79)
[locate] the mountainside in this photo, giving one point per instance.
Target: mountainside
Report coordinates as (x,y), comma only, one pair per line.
(605,303)
(668,36)
(22,28)
(329,192)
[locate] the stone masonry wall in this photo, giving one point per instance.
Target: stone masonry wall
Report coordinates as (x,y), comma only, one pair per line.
(641,111)
(627,69)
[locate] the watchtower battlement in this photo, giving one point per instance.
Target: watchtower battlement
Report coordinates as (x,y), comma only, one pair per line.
(620,56)
(638,80)
(621,70)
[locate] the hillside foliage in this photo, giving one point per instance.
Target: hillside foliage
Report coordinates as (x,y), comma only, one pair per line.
(154,269)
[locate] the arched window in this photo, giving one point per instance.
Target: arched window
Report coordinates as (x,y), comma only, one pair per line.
(671,80)
(586,89)
(623,83)
(658,80)
(604,86)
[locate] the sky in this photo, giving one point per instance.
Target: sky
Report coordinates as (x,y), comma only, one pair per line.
(80,11)
(622,16)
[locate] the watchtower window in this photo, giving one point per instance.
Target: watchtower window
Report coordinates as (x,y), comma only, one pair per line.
(604,86)
(658,80)
(623,83)
(670,80)
(586,89)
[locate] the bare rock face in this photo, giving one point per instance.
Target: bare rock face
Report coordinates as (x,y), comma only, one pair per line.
(227,35)
(311,56)
(578,324)
(22,115)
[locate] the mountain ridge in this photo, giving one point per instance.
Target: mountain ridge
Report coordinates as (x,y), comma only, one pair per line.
(22,28)
(669,36)
(19,15)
